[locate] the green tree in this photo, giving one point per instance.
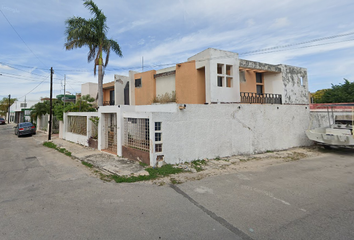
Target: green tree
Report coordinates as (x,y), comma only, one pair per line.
(92,33)
(83,104)
(40,109)
(318,95)
(4,106)
(339,93)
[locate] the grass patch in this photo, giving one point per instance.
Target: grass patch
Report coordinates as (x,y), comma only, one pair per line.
(54,146)
(175,181)
(217,158)
(143,164)
(87,164)
(244,160)
(198,164)
(154,173)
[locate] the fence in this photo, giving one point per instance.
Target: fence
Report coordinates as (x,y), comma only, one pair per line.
(136,133)
(264,98)
(79,128)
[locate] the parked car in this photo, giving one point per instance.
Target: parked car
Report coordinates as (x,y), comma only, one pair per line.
(25,128)
(2,121)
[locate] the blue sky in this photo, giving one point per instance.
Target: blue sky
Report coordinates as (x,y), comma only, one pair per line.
(165,31)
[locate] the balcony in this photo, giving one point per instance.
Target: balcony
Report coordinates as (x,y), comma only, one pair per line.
(263,98)
(107,103)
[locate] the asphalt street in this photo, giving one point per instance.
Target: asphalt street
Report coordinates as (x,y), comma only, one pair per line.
(47,195)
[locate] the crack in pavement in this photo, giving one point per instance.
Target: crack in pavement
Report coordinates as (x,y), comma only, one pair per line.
(222,221)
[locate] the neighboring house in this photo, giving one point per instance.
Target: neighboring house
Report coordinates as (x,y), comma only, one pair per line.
(20,111)
(89,88)
(114,93)
(216,76)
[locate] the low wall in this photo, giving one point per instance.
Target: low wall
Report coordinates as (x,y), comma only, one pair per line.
(78,138)
(319,118)
(209,131)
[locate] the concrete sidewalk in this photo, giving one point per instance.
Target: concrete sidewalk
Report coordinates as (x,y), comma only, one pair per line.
(104,161)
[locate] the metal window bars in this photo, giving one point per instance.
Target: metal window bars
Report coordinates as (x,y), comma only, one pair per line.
(137,133)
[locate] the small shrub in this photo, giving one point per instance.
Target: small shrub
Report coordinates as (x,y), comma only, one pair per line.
(197,164)
(165,98)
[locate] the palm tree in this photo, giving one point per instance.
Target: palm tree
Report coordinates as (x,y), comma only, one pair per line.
(92,33)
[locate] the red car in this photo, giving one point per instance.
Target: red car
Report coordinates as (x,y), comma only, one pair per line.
(2,121)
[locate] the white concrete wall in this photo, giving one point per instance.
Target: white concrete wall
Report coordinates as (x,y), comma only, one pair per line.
(209,59)
(273,83)
(132,87)
(166,84)
(208,131)
(295,84)
(120,82)
(89,88)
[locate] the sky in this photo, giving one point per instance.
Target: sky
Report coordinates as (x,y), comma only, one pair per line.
(314,34)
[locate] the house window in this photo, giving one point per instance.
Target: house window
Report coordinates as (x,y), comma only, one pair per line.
(229,82)
(158,137)
(220,68)
(157,126)
(138,83)
(224,75)
(220,80)
(259,89)
(259,78)
(228,70)
(23,105)
(158,147)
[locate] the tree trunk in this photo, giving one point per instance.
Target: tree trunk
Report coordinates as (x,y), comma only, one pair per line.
(100,85)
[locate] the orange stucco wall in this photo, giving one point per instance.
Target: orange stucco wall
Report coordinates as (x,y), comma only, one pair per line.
(190,83)
(107,87)
(106,94)
(145,94)
(250,84)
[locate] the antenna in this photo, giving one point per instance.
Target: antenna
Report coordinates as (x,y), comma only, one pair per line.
(142,64)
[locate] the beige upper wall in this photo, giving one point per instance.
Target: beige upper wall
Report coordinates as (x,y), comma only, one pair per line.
(165,84)
(145,94)
(190,83)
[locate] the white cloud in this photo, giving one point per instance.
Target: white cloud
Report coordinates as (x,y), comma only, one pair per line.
(280,23)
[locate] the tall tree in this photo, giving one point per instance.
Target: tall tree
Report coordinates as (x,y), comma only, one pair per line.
(92,33)
(340,93)
(4,106)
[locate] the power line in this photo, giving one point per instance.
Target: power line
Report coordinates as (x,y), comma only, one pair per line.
(315,45)
(20,37)
(19,77)
(300,43)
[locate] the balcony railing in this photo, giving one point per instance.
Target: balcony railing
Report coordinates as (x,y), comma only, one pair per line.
(263,98)
(107,103)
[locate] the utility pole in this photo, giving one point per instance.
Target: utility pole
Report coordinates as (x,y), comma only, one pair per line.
(8,115)
(51,105)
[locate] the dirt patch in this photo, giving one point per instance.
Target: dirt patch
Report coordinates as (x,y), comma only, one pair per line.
(200,169)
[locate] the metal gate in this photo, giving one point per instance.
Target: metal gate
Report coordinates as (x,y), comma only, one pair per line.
(136,139)
(111,132)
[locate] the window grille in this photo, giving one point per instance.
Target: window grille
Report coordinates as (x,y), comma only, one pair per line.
(137,133)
